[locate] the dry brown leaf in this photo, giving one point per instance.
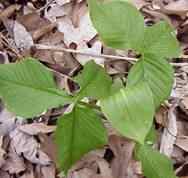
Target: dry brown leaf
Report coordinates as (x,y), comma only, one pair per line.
(179,7)
(29,172)
(27,146)
(3,58)
(134,169)
(32,21)
(62,2)
(178,155)
(84,173)
(48,171)
(105,170)
(56,11)
(182,143)
(139,3)
(22,37)
(36,128)
(161,116)
(4,174)
(14,163)
(184,104)
(48,146)
(169,134)
(8,122)
(81,35)
(95,49)
(9,11)
(2,152)
(123,150)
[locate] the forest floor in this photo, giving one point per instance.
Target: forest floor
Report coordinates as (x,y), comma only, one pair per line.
(26,147)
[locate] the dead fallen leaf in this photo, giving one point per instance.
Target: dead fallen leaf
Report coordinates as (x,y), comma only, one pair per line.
(22,37)
(29,173)
(184,104)
(36,128)
(161,116)
(8,122)
(56,11)
(4,174)
(105,170)
(27,146)
(139,3)
(123,150)
(62,2)
(169,134)
(48,171)
(182,143)
(2,152)
(95,49)
(80,35)
(178,155)
(48,146)
(14,163)
(179,7)
(3,58)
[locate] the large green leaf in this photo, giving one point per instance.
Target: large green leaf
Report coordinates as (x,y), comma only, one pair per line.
(28,88)
(130,110)
(119,23)
(157,72)
(78,133)
(160,40)
(93,81)
(154,164)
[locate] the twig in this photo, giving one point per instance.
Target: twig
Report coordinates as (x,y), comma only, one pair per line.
(68,50)
(58,48)
(179,64)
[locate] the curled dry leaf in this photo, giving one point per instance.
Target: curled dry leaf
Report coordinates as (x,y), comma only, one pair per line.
(36,128)
(80,35)
(14,163)
(27,146)
(57,11)
(169,134)
(22,37)
(179,7)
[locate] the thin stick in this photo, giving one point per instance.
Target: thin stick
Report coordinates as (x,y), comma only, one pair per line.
(58,48)
(68,50)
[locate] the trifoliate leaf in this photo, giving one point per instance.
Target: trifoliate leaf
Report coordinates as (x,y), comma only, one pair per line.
(160,40)
(154,164)
(78,133)
(119,23)
(93,81)
(28,88)
(127,113)
(157,72)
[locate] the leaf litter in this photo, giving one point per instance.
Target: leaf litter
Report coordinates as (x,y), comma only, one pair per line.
(26,147)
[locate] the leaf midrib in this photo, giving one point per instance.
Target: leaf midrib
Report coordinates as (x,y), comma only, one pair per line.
(90,80)
(31,86)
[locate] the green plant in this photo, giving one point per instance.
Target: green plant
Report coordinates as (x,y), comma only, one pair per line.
(28,89)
